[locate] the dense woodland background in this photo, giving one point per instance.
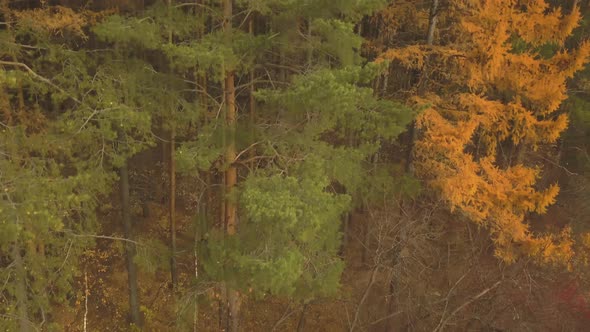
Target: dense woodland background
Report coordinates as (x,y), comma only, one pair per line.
(294,165)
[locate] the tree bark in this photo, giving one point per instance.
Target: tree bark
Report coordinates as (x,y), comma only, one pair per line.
(301,324)
(251,100)
(231,174)
(172,201)
(230,120)
(309,47)
(172,209)
(432,21)
(24,324)
(130,248)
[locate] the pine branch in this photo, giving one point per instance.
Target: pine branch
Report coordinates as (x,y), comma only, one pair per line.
(37,76)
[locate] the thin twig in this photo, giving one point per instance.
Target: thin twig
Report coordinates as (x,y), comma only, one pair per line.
(365,295)
(91,116)
(447,298)
(285,315)
(558,165)
(442,324)
(386,317)
(104,237)
(65,259)
(246,150)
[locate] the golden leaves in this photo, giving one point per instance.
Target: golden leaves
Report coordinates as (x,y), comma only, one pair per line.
(490,90)
(57,20)
(555,249)
(415,56)
(537,26)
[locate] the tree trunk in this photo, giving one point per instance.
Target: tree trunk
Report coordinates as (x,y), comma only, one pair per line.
(172,174)
(433,19)
(231,174)
(346,229)
(230,121)
(24,324)
(159,182)
(301,324)
(130,249)
(309,47)
(251,100)
(385,83)
(172,208)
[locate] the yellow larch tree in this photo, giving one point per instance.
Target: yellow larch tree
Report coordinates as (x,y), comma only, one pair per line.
(493,93)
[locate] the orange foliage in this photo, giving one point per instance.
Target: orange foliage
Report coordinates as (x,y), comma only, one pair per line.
(501,97)
(57,19)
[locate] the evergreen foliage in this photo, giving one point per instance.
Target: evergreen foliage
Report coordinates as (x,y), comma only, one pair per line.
(283,119)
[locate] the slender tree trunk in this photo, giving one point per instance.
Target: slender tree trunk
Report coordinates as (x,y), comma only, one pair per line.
(24,324)
(310,47)
(364,297)
(159,182)
(385,83)
(203,207)
(172,201)
(346,221)
(252,101)
(86,294)
(230,149)
(231,175)
(409,166)
(130,248)
(433,19)
(301,324)
(282,63)
(173,273)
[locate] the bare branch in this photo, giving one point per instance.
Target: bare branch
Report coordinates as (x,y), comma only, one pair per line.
(288,312)
(364,298)
(103,237)
(442,324)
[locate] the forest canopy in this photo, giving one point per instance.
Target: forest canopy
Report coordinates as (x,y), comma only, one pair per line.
(312,165)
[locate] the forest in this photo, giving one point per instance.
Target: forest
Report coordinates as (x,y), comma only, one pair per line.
(294,165)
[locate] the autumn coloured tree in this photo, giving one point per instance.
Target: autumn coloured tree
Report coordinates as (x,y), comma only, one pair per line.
(258,165)
(499,99)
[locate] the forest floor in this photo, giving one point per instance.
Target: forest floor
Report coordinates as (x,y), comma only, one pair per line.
(105,281)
